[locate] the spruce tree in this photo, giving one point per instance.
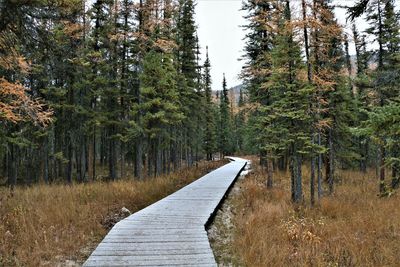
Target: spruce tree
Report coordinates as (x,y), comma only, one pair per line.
(210,139)
(189,72)
(284,120)
(384,27)
(225,131)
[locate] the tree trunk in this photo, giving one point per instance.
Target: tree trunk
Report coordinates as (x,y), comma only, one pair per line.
(292,178)
(46,161)
(281,163)
(174,158)
(269,173)
(103,148)
(331,179)
(395,168)
(319,168)
(382,186)
(112,160)
(363,161)
(68,173)
(299,182)
(123,163)
(158,152)
(12,170)
(296,177)
(150,159)
(138,160)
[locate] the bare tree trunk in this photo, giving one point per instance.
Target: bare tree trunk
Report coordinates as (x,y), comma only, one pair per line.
(83,160)
(78,163)
(69,158)
(138,160)
(174,157)
(158,154)
(150,159)
(382,153)
(292,178)
(319,168)
(46,161)
(112,160)
(299,180)
(90,161)
(269,173)
(12,169)
(331,156)
(122,153)
(312,181)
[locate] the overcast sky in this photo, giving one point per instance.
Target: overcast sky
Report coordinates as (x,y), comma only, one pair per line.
(219,27)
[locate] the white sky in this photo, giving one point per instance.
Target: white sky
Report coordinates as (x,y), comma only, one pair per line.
(219,27)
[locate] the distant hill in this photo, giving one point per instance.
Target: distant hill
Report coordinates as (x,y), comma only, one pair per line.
(234,93)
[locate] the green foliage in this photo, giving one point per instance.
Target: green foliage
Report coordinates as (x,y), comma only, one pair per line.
(210,145)
(160,104)
(225,138)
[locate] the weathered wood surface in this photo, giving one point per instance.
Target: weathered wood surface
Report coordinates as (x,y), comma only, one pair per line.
(170,232)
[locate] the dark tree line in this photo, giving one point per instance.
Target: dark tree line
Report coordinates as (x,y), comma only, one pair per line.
(109,88)
(309,104)
(116,88)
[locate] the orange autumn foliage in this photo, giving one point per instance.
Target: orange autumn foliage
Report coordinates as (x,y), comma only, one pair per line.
(16,105)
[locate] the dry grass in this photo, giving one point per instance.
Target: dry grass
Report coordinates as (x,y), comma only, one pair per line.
(352,228)
(45,225)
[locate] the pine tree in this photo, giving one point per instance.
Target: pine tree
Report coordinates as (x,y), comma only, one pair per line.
(210,139)
(363,85)
(240,123)
(287,114)
(225,131)
(259,41)
(189,71)
(159,105)
(384,27)
(328,61)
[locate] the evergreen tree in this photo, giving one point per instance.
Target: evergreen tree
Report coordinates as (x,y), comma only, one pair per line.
(159,105)
(283,122)
(259,42)
(189,71)
(225,131)
(240,123)
(363,85)
(384,27)
(332,119)
(210,139)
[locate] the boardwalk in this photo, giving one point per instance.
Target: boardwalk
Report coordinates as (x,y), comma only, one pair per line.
(171,232)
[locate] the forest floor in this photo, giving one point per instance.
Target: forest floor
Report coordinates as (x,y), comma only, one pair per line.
(60,225)
(261,227)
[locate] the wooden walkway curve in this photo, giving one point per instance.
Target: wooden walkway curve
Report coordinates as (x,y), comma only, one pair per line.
(172,231)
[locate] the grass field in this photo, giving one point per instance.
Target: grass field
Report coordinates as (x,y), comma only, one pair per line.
(49,225)
(354,227)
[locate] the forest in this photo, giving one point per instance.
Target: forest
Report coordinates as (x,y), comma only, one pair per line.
(115,86)
(103,90)
(109,90)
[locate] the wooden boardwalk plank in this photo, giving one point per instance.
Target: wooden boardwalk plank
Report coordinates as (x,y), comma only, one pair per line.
(170,232)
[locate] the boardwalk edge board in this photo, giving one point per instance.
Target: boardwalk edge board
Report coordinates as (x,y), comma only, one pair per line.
(171,231)
(221,202)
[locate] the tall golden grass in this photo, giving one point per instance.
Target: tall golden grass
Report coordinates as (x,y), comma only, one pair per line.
(354,227)
(47,225)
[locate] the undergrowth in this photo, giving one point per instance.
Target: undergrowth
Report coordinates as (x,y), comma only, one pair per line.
(45,225)
(353,227)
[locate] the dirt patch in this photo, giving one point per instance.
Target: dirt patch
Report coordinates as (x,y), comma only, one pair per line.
(113,217)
